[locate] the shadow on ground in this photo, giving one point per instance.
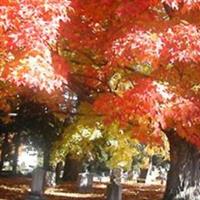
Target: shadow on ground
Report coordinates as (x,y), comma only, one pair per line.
(17,188)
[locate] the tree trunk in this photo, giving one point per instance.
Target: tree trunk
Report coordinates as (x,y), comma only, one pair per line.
(17,143)
(4,150)
(46,159)
(183,182)
(71,169)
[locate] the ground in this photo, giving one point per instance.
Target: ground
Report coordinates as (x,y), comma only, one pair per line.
(17,189)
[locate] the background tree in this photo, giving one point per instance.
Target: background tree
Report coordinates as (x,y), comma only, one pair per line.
(5,147)
(87,144)
(41,127)
(31,68)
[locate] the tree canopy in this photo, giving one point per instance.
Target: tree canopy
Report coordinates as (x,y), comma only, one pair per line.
(139,58)
(139,54)
(135,61)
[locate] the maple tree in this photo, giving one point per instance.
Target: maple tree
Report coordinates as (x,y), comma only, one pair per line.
(30,65)
(31,68)
(29,60)
(139,60)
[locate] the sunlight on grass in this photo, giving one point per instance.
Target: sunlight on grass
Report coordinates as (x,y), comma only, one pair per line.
(73,195)
(11,189)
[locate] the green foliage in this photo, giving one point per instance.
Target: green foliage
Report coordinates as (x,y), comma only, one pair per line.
(120,147)
(77,136)
(89,139)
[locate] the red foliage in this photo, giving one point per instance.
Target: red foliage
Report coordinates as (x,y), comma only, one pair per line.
(97,21)
(161,34)
(124,34)
(151,100)
(174,44)
(186,4)
(27,30)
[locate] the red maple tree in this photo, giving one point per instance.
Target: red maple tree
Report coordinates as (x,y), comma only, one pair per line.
(139,59)
(29,60)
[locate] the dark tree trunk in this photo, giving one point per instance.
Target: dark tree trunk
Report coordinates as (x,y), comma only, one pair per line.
(17,143)
(71,169)
(4,150)
(183,182)
(46,159)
